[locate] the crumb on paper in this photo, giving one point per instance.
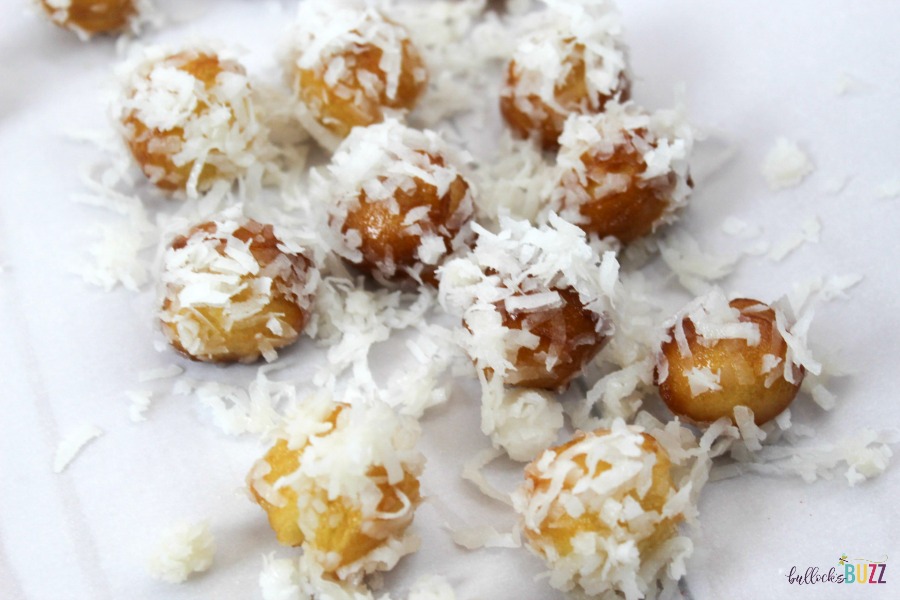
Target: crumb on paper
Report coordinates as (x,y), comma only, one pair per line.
(431,587)
(183,549)
(786,165)
(845,83)
(140,402)
(280,579)
(165,372)
(473,471)
(739,228)
(809,232)
(888,190)
(72,444)
(474,538)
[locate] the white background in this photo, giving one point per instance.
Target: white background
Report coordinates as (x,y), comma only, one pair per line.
(753,71)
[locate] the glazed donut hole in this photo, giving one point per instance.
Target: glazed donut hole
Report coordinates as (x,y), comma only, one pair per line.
(601,510)
(560,339)
(531,303)
(90,17)
(573,62)
(189,121)
(720,355)
(352,68)
(234,292)
(552,77)
(348,511)
(398,204)
(624,173)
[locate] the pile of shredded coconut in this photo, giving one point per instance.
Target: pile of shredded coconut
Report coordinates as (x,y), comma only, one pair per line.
(183,549)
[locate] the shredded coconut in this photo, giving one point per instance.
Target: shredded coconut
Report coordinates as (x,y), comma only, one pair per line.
(140,403)
(786,165)
(72,443)
(474,538)
(809,233)
(183,549)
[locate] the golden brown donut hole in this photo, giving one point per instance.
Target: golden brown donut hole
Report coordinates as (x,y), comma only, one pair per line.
(92,16)
(385,237)
(571,95)
(219,336)
(634,207)
(559,528)
(340,528)
(154,149)
(568,331)
(740,367)
(349,103)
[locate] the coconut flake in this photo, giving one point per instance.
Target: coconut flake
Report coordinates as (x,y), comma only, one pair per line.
(786,165)
(888,190)
(431,587)
(164,372)
(702,380)
(809,232)
(740,228)
(473,471)
(475,538)
(695,268)
(72,443)
(140,403)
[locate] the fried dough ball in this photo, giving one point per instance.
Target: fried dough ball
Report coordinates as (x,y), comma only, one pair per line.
(533,103)
(705,373)
(623,173)
(531,301)
(567,340)
(235,292)
(189,121)
(353,68)
(349,510)
(572,64)
(599,509)
(91,17)
(400,205)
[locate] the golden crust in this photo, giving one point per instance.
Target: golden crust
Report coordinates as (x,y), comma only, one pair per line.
(571,95)
(226,340)
(93,16)
(568,331)
(385,237)
(740,367)
(559,528)
(153,149)
(349,103)
(635,207)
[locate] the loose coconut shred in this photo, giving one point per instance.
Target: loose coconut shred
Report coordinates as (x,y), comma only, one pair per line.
(627,477)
